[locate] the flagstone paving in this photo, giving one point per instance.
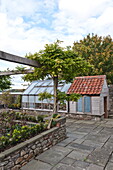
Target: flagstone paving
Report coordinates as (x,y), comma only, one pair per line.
(88,146)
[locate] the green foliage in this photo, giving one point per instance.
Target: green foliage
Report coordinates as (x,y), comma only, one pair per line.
(56,116)
(62,97)
(5,82)
(21,134)
(26,117)
(20,68)
(13,133)
(6,98)
(74,97)
(98,51)
(58,63)
(44,95)
(16,133)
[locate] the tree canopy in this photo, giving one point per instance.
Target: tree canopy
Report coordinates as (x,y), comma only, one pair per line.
(98,51)
(57,63)
(5,82)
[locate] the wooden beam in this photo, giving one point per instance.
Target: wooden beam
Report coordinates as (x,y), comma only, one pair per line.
(15,72)
(17,59)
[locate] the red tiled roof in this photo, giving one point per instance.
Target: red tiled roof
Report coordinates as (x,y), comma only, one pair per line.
(87,85)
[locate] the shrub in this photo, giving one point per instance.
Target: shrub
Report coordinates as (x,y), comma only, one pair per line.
(20,134)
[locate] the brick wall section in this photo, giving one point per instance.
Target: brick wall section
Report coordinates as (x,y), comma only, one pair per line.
(17,156)
(110,99)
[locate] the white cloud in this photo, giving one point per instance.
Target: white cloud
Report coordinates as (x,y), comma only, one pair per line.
(27,25)
(84,9)
(20,7)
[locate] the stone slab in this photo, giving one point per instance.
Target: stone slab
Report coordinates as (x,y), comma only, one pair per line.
(95,167)
(81,147)
(81,164)
(84,130)
(78,155)
(100,156)
(98,138)
(111,159)
(61,166)
(54,155)
(35,165)
(68,161)
(76,135)
(65,142)
(97,130)
(79,141)
(109,166)
(93,143)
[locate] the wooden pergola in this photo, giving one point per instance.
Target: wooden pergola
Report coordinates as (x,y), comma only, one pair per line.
(20,60)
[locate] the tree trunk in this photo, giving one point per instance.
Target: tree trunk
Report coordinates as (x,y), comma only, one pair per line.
(55,81)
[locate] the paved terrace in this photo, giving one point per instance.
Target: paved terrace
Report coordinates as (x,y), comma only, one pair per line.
(89,146)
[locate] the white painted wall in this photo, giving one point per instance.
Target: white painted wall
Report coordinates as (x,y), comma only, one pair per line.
(104,93)
(95,105)
(72,107)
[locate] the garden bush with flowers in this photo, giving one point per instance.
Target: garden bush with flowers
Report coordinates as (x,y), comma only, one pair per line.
(16,127)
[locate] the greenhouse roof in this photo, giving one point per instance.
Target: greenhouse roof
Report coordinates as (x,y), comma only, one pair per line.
(41,86)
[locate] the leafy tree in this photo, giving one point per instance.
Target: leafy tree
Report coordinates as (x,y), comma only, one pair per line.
(45,95)
(98,51)
(62,97)
(20,68)
(5,82)
(57,63)
(6,98)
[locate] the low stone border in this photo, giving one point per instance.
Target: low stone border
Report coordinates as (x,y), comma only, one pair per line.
(17,156)
(84,116)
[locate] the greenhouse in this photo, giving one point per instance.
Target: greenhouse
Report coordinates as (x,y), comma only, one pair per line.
(30,98)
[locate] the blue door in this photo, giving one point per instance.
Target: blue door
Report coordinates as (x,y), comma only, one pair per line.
(79,105)
(87,104)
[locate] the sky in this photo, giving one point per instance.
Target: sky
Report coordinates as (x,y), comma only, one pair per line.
(27,25)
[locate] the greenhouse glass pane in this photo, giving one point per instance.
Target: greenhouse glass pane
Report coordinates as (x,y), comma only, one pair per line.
(30,88)
(34,90)
(51,84)
(59,88)
(31,105)
(66,87)
(24,99)
(37,100)
(31,99)
(39,83)
(49,89)
(87,104)
(79,105)
(46,82)
(41,90)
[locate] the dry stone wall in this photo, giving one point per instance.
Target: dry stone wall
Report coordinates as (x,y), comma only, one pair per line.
(110,99)
(17,156)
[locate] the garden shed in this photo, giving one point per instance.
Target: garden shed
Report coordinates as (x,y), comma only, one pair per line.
(30,97)
(94,96)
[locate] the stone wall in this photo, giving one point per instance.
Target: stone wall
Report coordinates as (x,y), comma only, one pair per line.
(110,99)
(84,117)
(17,156)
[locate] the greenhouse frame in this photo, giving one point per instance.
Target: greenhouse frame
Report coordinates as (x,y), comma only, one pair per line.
(30,98)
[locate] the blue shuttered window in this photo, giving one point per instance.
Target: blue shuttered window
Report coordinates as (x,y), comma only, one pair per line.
(84,104)
(79,105)
(87,104)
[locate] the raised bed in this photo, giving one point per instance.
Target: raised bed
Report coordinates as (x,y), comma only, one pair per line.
(17,156)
